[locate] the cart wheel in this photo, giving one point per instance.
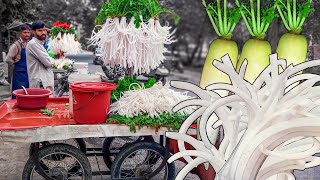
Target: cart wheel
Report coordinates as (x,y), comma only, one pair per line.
(142,159)
(74,165)
(112,146)
(77,142)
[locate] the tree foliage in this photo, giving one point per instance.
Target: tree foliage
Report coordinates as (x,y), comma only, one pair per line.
(21,10)
(193,31)
(78,13)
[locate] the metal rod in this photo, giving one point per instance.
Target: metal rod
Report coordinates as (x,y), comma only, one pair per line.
(35,158)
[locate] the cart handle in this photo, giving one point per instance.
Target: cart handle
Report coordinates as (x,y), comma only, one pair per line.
(131,178)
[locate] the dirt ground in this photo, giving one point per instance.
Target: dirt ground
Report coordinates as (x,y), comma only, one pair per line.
(13,157)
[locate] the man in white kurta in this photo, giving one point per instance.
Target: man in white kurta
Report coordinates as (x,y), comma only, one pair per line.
(39,63)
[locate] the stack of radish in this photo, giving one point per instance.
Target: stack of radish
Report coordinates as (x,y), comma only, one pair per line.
(132,35)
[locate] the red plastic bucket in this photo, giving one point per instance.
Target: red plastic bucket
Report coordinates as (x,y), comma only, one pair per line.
(35,99)
(91,101)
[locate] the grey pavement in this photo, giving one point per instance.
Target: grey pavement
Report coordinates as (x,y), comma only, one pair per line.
(4,93)
(4,90)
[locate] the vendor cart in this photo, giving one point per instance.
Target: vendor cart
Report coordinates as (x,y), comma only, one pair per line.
(139,160)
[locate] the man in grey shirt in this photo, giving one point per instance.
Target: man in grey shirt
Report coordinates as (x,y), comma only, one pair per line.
(39,64)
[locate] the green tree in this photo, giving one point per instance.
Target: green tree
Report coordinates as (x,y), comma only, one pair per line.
(193,30)
(78,13)
(22,10)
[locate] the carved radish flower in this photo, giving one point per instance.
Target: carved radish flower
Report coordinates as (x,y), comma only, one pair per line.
(270,127)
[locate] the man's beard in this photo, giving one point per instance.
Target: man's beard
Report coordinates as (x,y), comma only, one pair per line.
(42,37)
(26,38)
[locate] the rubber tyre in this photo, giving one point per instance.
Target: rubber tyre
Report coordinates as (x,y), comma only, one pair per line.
(107,144)
(125,152)
(64,148)
(81,143)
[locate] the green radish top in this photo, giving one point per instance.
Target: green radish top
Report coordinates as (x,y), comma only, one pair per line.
(223,21)
(132,8)
(257,20)
(293,14)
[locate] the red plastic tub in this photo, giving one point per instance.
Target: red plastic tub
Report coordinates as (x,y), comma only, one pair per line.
(173,144)
(91,101)
(35,99)
(203,173)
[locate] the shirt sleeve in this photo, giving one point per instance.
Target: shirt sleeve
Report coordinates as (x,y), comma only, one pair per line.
(13,51)
(41,54)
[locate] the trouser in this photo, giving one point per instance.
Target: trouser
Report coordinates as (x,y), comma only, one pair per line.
(10,72)
(38,84)
(2,71)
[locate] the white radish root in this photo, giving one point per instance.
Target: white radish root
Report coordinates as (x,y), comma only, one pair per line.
(141,49)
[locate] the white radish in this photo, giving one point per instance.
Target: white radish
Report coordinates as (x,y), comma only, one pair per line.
(139,48)
(270,127)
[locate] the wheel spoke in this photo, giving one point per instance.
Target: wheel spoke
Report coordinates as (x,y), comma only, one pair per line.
(62,164)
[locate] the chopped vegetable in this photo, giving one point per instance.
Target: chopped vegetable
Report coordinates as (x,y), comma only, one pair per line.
(49,112)
(293,46)
(169,120)
(256,50)
(152,101)
(223,21)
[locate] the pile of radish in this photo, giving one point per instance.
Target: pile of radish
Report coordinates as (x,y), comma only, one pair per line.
(132,35)
(153,101)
